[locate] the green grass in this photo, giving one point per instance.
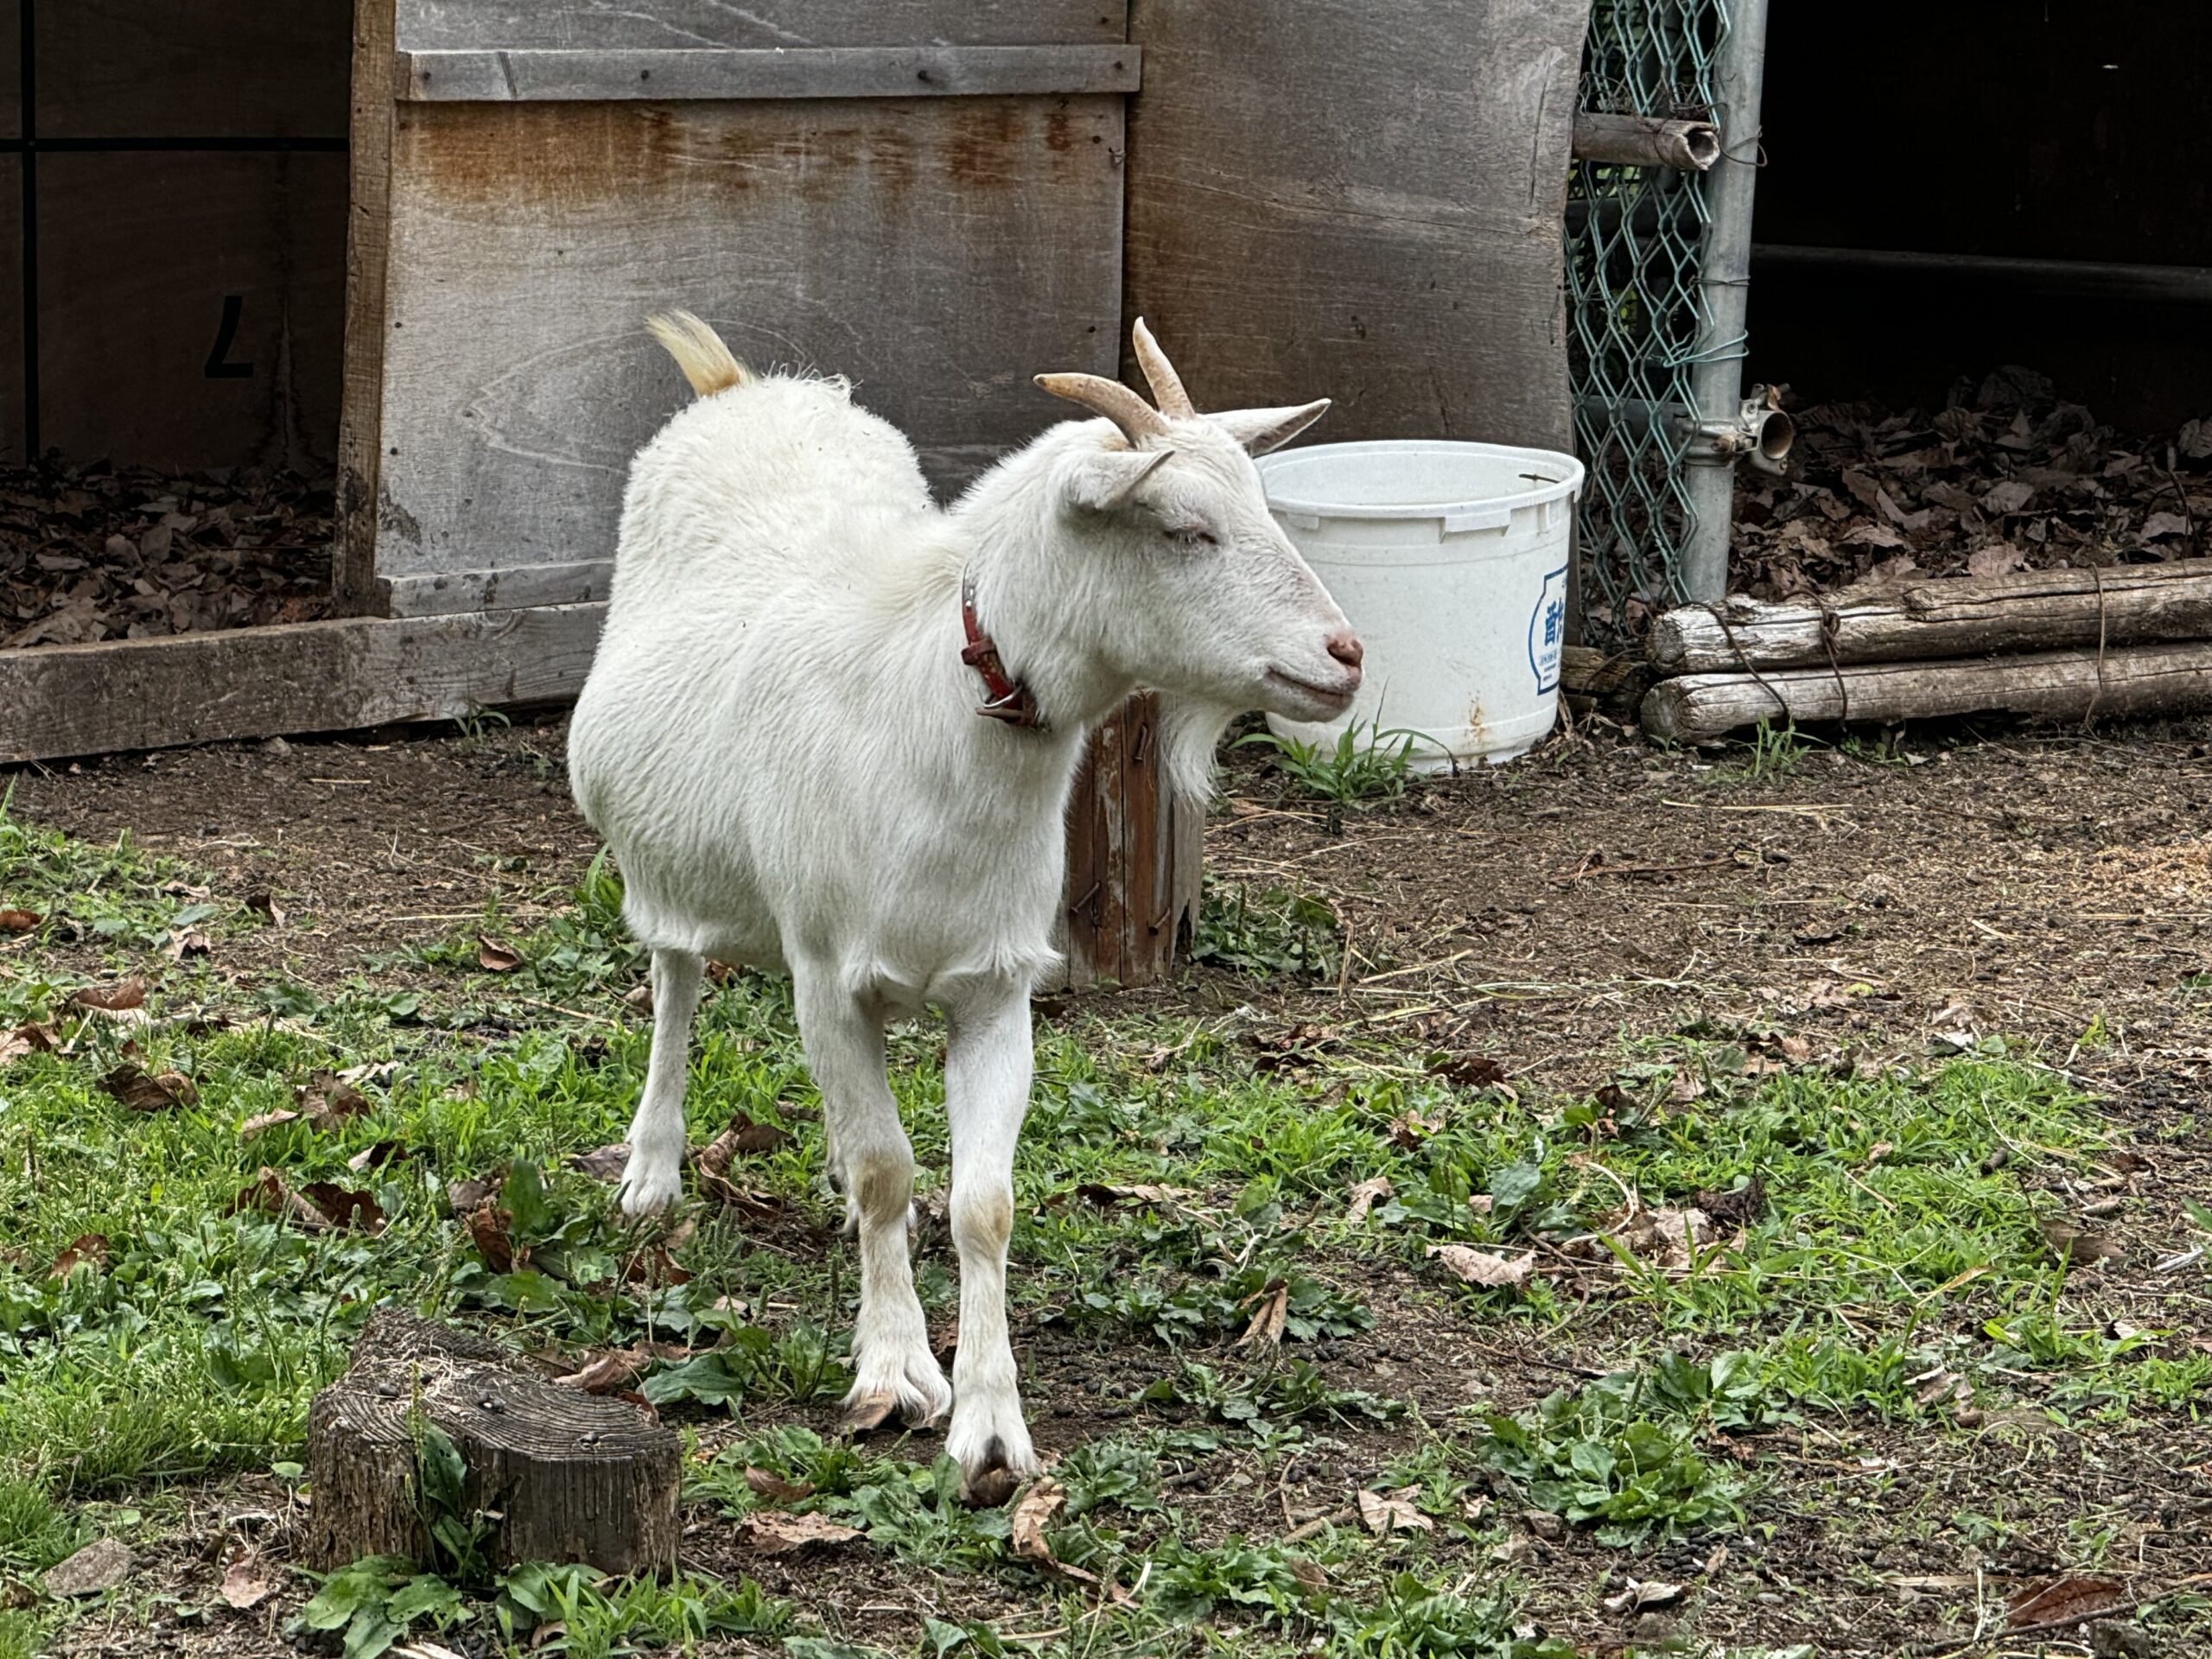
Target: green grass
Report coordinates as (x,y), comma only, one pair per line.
(1178,1178)
(1365,766)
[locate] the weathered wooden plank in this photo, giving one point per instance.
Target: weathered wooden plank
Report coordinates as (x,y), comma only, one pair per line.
(12,313)
(1133,859)
(368,244)
(1333,198)
(523,586)
(154,68)
(313,677)
(2168,679)
(938,252)
(484,76)
(189,307)
(431,24)
(2026,610)
(11,74)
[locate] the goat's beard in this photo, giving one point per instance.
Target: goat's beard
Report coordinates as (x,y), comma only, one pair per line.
(1190,735)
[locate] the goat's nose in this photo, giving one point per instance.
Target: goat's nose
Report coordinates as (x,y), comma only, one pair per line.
(1345,648)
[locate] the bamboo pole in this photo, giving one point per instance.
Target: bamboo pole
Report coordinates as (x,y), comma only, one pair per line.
(1646,141)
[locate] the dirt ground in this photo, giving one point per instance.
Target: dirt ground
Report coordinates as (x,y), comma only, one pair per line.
(2053,887)
(2023,882)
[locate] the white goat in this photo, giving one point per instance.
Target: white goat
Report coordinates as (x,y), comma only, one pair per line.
(780,741)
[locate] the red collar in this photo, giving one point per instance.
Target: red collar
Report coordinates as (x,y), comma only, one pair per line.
(1010,699)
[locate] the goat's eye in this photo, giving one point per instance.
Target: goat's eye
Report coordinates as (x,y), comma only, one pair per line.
(1191,536)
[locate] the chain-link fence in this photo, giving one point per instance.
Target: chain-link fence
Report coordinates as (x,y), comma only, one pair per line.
(1639,323)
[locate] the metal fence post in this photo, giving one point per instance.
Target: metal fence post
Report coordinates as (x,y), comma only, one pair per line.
(1716,379)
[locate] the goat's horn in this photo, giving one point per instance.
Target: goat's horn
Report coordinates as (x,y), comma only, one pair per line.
(1137,419)
(1166,384)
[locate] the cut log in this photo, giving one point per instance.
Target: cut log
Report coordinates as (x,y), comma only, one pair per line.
(1952,616)
(558,1475)
(1613,686)
(1646,141)
(2170,679)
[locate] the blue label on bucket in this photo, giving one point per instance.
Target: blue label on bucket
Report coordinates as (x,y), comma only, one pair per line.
(1548,630)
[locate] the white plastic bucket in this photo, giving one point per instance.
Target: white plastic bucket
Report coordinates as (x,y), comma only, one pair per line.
(1450,561)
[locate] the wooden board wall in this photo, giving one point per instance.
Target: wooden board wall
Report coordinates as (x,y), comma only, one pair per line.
(168,69)
(143,257)
(937,250)
(436,24)
(1331,198)
(187,201)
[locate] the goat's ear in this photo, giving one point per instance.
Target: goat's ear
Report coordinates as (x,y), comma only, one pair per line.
(1103,480)
(1262,429)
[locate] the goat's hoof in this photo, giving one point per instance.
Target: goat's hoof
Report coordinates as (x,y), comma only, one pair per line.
(992,1485)
(868,1412)
(644,1192)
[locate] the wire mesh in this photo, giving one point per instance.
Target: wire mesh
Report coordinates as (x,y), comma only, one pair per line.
(1635,246)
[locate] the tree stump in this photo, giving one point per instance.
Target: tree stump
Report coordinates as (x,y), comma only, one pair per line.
(557,1474)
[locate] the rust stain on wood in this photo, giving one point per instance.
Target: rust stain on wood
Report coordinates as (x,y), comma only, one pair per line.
(505,159)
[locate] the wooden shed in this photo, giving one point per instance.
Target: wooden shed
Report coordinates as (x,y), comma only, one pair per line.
(937,197)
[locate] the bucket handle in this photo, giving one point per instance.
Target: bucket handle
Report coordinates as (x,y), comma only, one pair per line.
(1484,518)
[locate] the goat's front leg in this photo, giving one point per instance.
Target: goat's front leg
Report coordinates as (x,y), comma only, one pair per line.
(987,1065)
(892,1367)
(653,1178)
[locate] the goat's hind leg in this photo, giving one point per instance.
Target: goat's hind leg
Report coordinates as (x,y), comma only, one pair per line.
(653,1178)
(892,1368)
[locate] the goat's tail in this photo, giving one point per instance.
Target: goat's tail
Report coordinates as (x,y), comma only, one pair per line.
(707,363)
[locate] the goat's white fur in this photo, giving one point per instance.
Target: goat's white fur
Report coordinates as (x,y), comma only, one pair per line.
(779,742)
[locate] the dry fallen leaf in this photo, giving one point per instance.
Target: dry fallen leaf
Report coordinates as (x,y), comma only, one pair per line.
(261,1121)
(19,921)
(1384,1513)
(1270,1306)
(143,1091)
(1647,1593)
(1483,1266)
(488,1228)
(496,957)
(2077,1246)
(343,1208)
(1026,1526)
(328,1100)
(190,943)
(461,1197)
(125,1000)
(2065,1600)
(603,1163)
(775,1488)
(1105,1194)
(1364,1197)
(1997,559)
(1669,1236)
(771,1532)
(610,1370)
(87,1250)
(319,1207)
(264,903)
(245,1586)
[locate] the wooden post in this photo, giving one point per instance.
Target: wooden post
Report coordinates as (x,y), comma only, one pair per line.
(1134,858)
(560,1476)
